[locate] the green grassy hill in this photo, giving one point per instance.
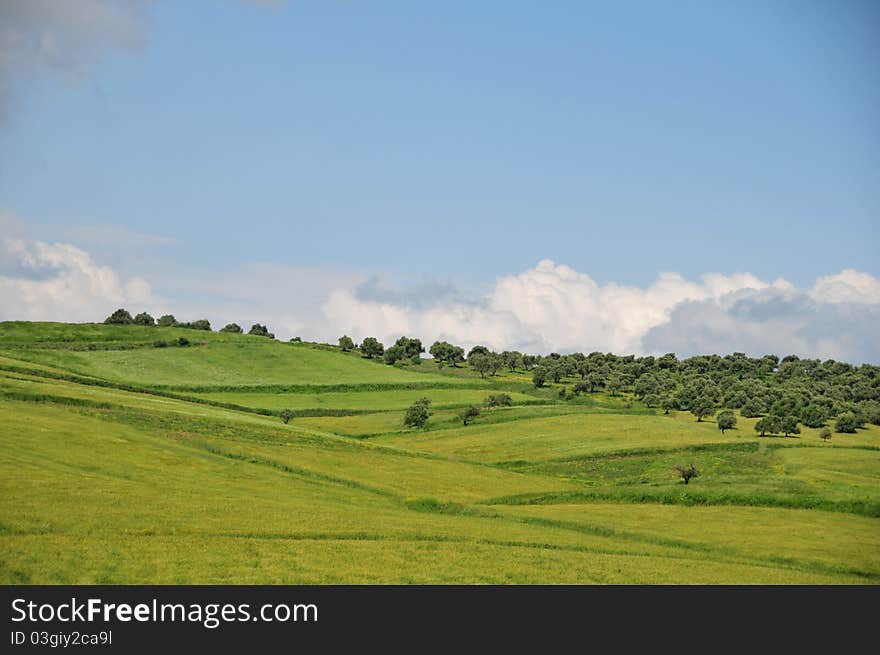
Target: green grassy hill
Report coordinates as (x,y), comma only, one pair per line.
(124,461)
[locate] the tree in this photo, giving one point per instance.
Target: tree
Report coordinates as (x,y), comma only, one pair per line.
(477,350)
(260,331)
(482,364)
(201,324)
(233,328)
(726,421)
(404,348)
(286,415)
(813,416)
(686,472)
(445,353)
(468,414)
(119,317)
(702,407)
(667,402)
(371,347)
(167,320)
(767,425)
(345,343)
(752,408)
(539,377)
(825,434)
(789,425)
(417,414)
(512,360)
(498,400)
(144,319)
(847,422)
(613,384)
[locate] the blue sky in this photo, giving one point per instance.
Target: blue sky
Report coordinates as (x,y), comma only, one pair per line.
(441,147)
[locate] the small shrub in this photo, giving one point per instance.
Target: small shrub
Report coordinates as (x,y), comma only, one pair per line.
(417,414)
(159,343)
(825,434)
(286,415)
(498,400)
(468,414)
(686,472)
(183,341)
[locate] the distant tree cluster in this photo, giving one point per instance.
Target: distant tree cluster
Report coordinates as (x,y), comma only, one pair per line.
(123,317)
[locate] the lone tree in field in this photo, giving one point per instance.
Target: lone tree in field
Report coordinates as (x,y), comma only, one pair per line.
(445,353)
(417,414)
(703,407)
(167,320)
(667,402)
(686,472)
(825,434)
(286,415)
(468,414)
(726,421)
(371,347)
(233,328)
(345,343)
(144,319)
(119,317)
(789,426)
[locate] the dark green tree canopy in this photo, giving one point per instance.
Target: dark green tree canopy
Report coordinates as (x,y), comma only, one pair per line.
(119,317)
(726,421)
(371,348)
(260,331)
(144,319)
(445,353)
(234,328)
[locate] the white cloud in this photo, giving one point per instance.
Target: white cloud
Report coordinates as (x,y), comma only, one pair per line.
(61,282)
(847,286)
(549,307)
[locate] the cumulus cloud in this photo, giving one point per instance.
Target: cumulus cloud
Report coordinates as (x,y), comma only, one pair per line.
(63,38)
(62,282)
(556,308)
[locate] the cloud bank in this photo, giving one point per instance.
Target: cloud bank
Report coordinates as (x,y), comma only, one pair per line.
(550,307)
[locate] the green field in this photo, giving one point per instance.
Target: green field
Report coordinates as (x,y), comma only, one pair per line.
(122,462)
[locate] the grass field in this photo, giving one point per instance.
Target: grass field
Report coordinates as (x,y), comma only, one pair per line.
(124,463)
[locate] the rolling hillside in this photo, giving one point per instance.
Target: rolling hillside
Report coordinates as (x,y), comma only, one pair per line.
(126,461)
